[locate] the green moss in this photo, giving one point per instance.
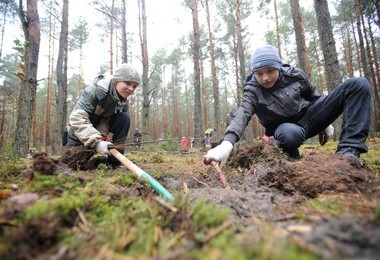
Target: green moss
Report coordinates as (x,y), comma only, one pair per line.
(42,183)
(372,159)
(157,158)
(59,207)
(10,172)
(125,180)
(331,207)
(207,215)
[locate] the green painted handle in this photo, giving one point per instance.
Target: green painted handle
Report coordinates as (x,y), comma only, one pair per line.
(157,187)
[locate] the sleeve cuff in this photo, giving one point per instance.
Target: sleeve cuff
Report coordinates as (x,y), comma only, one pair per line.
(232,138)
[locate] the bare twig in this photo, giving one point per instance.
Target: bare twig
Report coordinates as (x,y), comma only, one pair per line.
(205,184)
(86,226)
(221,174)
(213,233)
(165,204)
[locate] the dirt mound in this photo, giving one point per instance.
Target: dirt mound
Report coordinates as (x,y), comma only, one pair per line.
(315,173)
(260,179)
(82,158)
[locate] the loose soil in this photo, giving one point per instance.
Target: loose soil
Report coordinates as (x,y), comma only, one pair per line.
(262,188)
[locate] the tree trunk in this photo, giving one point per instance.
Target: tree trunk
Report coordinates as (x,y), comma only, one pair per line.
(240,49)
(163,100)
(321,77)
(112,35)
(124,45)
(62,77)
(176,106)
(361,42)
(196,46)
(215,83)
(326,37)
(348,52)
(4,105)
(277,29)
(49,97)
(377,5)
(374,69)
(357,50)
(239,88)
(205,104)
(31,26)
(145,61)
(299,29)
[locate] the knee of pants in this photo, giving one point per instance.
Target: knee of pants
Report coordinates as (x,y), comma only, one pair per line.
(121,119)
(289,136)
(123,116)
(119,125)
(359,83)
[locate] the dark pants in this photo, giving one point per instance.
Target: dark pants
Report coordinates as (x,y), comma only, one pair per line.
(119,127)
(351,99)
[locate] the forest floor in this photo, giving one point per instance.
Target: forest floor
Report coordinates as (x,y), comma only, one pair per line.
(269,207)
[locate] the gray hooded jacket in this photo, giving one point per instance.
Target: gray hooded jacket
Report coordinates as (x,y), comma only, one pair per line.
(89,120)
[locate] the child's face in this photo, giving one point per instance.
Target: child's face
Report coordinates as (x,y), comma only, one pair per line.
(267,77)
(125,88)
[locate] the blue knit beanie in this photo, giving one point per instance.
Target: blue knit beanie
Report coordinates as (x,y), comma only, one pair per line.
(265,57)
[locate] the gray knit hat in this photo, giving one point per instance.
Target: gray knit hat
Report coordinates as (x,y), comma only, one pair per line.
(265,57)
(126,72)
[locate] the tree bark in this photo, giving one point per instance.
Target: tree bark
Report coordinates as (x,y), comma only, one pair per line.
(277,29)
(374,70)
(240,49)
(299,29)
(124,42)
(145,61)
(112,34)
(326,37)
(49,98)
(196,58)
(62,76)
(215,83)
(31,26)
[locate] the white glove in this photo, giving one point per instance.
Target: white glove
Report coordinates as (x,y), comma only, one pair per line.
(219,154)
(330,131)
(102,147)
(326,134)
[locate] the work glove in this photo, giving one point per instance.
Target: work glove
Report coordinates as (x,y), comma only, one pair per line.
(326,134)
(218,154)
(102,147)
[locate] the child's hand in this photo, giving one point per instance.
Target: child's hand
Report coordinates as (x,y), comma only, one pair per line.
(102,147)
(218,154)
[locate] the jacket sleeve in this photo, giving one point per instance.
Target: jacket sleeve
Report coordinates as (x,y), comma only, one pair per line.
(242,116)
(79,119)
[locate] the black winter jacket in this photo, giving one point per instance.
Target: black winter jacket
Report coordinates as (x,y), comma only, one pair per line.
(286,102)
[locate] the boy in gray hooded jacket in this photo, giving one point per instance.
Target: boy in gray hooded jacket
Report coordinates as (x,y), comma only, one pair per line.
(101,112)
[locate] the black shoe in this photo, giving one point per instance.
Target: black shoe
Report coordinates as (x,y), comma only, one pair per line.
(292,155)
(351,155)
